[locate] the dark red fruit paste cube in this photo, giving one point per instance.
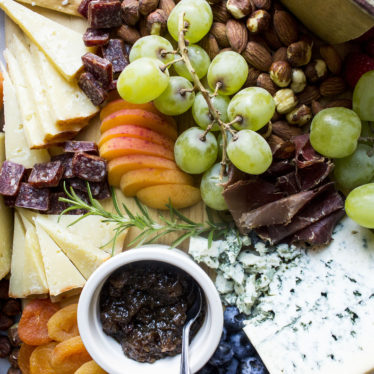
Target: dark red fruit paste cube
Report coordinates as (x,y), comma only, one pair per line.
(89,167)
(95,37)
(115,52)
(92,88)
(104,14)
(67,161)
(47,174)
(32,198)
(99,67)
(73,146)
(11,175)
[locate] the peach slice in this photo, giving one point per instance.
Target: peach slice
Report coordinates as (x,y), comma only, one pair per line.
(135,180)
(139,117)
(121,165)
(180,195)
(118,147)
(136,132)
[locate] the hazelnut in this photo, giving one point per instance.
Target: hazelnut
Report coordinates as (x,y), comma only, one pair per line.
(299,116)
(316,70)
(239,8)
(299,53)
(298,82)
(147,6)
(259,21)
(156,22)
(285,100)
(262,4)
(281,73)
(130,12)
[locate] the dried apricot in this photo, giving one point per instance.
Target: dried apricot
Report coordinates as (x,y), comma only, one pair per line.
(32,328)
(69,356)
(63,324)
(40,360)
(24,357)
(90,367)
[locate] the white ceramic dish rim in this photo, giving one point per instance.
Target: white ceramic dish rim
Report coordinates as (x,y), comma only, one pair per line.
(108,353)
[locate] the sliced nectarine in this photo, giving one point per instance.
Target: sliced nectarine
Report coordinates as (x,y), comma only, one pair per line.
(118,147)
(139,117)
(136,132)
(121,165)
(180,195)
(119,104)
(135,180)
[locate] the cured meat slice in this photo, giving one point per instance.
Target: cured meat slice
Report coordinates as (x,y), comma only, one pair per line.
(10,201)
(104,192)
(288,183)
(67,161)
(47,174)
(305,154)
(89,167)
(95,37)
(32,198)
(278,168)
(281,149)
(74,146)
(99,190)
(115,52)
(55,205)
(92,88)
(10,178)
(313,175)
(100,68)
(104,14)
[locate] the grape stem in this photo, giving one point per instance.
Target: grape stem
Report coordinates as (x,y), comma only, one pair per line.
(216,116)
(369,141)
(163,68)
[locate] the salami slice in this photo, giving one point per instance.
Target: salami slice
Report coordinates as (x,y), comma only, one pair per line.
(74,146)
(47,174)
(10,201)
(55,205)
(89,167)
(32,198)
(99,190)
(67,162)
(104,192)
(10,178)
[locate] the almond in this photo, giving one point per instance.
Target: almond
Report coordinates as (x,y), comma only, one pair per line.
(332,58)
(284,130)
(264,81)
(286,27)
(209,43)
(280,54)
(128,34)
(253,74)
(316,107)
(262,4)
(258,56)
(345,103)
(332,86)
(167,6)
(239,8)
(308,95)
(237,35)
(220,12)
(219,31)
(272,39)
(130,12)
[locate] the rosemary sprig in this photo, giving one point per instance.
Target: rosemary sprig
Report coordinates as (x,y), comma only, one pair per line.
(150,229)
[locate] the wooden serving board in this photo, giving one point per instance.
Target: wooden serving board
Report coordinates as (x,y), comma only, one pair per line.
(92,132)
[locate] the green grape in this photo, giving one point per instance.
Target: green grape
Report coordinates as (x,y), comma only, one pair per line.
(359,205)
(152,46)
(334,132)
(194,155)
(200,61)
(201,114)
(220,143)
(363,97)
(250,152)
(199,16)
(230,70)
(254,105)
(354,170)
(142,81)
(211,188)
(175,100)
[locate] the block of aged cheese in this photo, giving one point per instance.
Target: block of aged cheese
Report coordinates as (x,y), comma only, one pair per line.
(62,275)
(63,46)
(83,254)
(6,225)
(68,7)
(16,146)
(318,314)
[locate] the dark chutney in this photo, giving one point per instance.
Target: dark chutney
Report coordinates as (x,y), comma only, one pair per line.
(143,306)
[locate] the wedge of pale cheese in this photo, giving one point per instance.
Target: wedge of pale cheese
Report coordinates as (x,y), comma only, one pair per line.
(68,7)
(16,146)
(62,275)
(83,254)
(63,46)
(6,224)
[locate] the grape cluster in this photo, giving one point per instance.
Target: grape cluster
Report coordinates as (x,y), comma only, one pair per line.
(235,354)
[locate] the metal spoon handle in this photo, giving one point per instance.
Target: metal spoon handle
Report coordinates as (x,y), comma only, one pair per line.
(185,366)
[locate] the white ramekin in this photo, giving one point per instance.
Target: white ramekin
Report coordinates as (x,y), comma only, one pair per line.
(108,353)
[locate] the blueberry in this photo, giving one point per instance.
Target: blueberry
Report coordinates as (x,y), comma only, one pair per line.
(230,368)
(208,369)
(234,320)
(222,355)
(241,346)
(224,334)
(252,365)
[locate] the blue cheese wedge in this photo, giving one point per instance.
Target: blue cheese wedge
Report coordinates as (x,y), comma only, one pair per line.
(62,276)
(317,316)
(63,46)
(83,254)
(6,226)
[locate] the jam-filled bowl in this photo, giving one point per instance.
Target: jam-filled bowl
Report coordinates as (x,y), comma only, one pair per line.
(107,351)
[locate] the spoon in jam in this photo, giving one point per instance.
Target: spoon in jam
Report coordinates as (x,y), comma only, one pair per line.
(191,317)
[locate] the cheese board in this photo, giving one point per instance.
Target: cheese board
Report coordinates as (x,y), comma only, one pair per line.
(242,139)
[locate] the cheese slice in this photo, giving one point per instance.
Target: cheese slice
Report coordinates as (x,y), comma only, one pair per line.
(68,7)
(63,46)
(6,225)
(77,109)
(62,275)
(16,146)
(85,256)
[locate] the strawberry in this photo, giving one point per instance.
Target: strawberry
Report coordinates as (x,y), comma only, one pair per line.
(369,48)
(357,64)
